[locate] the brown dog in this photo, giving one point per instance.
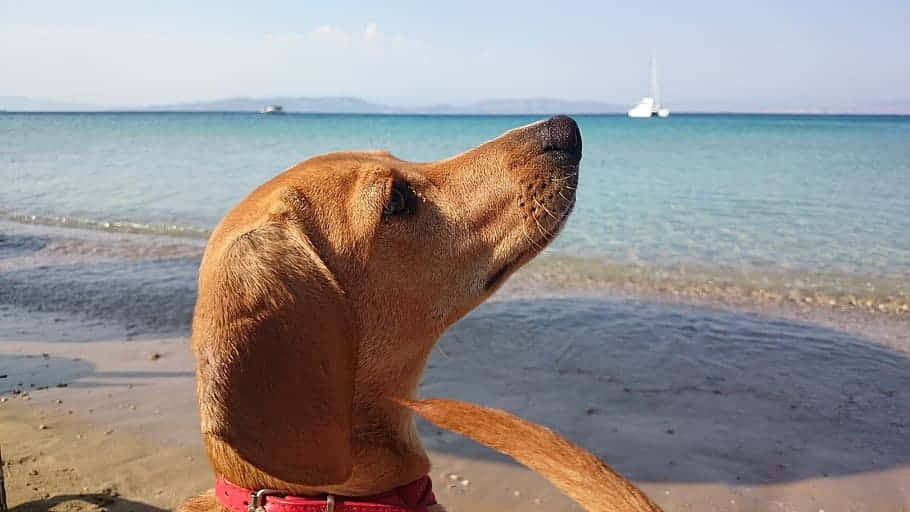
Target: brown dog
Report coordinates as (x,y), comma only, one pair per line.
(322,293)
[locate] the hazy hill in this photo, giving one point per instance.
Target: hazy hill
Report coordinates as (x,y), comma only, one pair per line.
(524,106)
(356,105)
(335,105)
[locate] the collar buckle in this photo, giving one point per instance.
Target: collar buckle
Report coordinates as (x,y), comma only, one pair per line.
(257,498)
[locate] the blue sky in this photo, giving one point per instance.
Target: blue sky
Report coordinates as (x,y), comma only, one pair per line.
(712,54)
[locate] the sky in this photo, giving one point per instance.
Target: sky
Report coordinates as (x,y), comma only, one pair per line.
(711,54)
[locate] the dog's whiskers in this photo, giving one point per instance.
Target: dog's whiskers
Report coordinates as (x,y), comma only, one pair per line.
(544,208)
(534,243)
(564,178)
(541,230)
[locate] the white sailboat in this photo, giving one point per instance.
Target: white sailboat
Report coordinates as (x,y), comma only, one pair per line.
(649,106)
(272,110)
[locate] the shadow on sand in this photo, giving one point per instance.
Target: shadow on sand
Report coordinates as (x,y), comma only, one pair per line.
(26,373)
(98,501)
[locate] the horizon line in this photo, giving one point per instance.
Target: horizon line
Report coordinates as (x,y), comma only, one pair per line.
(461,114)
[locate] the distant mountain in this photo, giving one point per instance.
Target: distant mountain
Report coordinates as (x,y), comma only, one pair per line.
(333,105)
(350,105)
(524,106)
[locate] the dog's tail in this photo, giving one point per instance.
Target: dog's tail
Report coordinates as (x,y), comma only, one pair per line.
(577,473)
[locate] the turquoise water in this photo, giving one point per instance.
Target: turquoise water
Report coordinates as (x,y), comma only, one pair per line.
(813,194)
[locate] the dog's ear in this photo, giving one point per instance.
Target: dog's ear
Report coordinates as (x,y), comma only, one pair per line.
(275,342)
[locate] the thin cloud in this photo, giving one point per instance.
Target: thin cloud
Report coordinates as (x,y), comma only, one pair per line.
(332,33)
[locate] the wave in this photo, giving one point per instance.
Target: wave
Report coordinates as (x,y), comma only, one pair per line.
(113,226)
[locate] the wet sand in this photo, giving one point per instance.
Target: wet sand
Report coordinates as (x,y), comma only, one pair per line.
(709,402)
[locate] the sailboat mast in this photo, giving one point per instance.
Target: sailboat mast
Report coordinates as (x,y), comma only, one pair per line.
(655,88)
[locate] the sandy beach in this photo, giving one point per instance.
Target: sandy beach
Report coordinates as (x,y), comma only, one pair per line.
(709,401)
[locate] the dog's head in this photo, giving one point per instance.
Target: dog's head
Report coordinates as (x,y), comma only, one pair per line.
(325,289)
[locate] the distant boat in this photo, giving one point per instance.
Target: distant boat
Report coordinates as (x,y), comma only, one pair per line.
(272,109)
(649,106)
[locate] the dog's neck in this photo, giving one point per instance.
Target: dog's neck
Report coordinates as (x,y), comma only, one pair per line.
(386,443)
(383,460)
(387,452)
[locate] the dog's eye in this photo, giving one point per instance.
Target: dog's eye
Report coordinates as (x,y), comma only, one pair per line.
(401,200)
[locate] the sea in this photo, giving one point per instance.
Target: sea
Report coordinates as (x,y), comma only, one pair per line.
(807,201)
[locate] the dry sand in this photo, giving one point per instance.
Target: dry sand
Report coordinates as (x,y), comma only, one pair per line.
(707,404)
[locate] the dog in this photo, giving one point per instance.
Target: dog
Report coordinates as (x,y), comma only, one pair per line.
(321,295)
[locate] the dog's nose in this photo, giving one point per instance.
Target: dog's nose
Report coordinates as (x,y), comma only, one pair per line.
(561,133)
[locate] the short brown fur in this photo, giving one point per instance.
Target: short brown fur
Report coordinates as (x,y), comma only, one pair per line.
(317,312)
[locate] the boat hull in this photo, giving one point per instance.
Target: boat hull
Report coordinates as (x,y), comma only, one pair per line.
(643,114)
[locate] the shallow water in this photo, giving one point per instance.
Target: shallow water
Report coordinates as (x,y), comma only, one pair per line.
(827,198)
(711,391)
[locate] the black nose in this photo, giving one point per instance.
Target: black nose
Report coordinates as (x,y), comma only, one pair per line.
(561,133)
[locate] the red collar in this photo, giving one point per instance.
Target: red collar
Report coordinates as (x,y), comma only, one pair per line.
(413,497)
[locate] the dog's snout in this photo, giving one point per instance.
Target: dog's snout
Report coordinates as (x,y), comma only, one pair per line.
(561,133)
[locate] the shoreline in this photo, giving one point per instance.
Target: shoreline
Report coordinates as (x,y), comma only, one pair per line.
(723,285)
(730,287)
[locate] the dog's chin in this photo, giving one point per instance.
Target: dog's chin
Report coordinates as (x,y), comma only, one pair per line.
(505,271)
(527,253)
